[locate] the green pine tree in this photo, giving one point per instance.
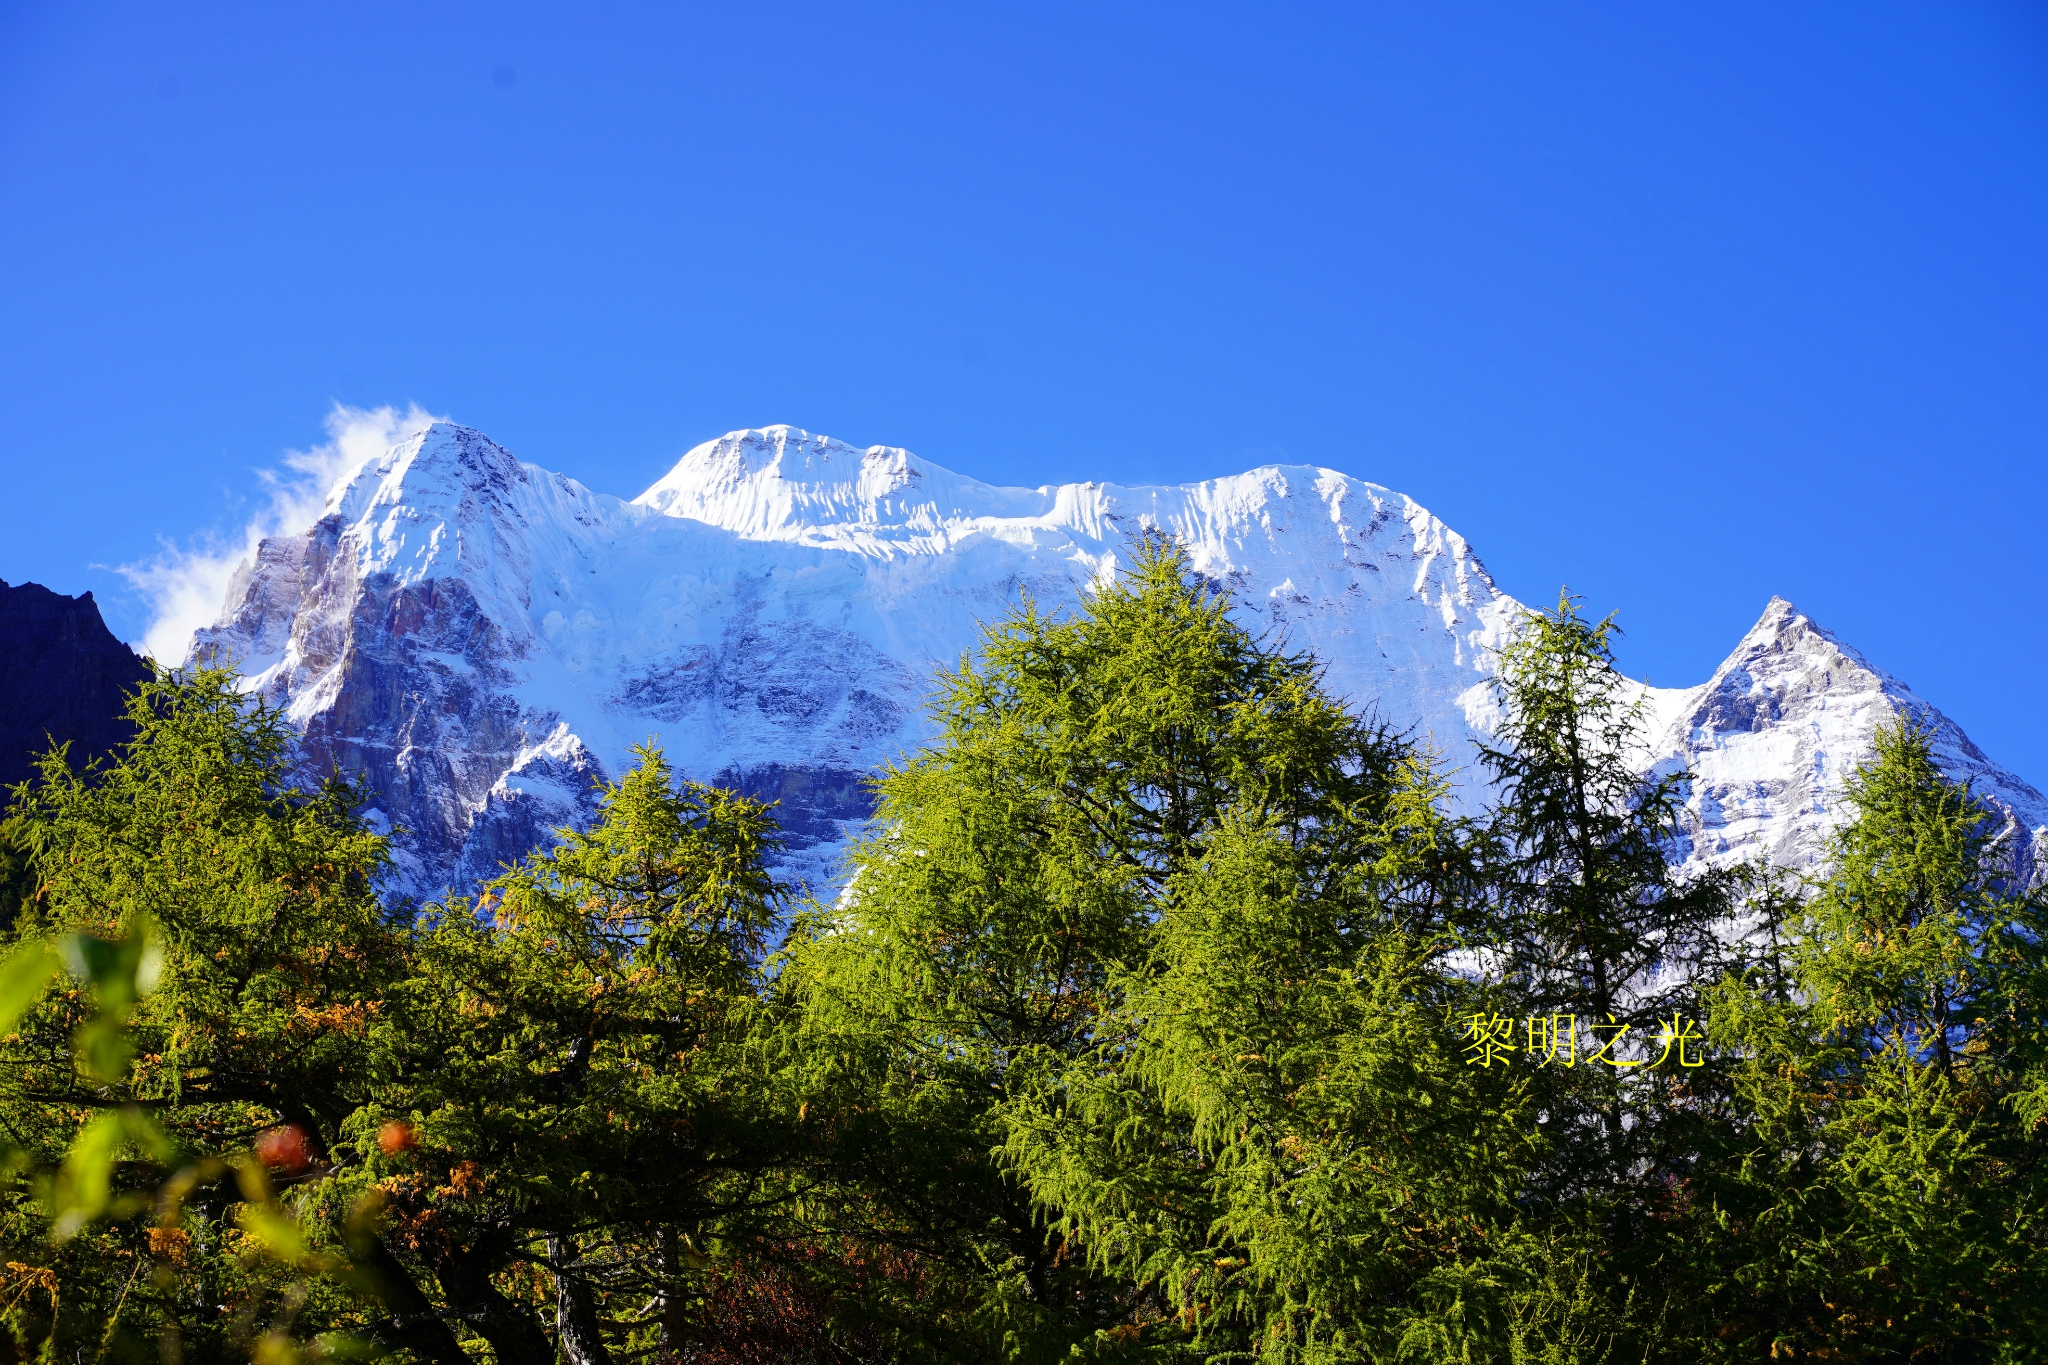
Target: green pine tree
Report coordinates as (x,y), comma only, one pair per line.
(1593,918)
(1885,1199)
(1602,941)
(581,1092)
(531,1136)
(1161,919)
(274,968)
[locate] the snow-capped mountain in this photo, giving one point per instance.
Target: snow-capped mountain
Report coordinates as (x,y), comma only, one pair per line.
(483,638)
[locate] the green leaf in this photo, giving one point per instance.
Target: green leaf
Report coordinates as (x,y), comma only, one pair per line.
(84,1189)
(120,970)
(23,977)
(84,1186)
(279,1235)
(104,1049)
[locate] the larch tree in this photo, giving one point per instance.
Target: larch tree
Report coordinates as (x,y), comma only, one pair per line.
(1885,1198)
(1160,919)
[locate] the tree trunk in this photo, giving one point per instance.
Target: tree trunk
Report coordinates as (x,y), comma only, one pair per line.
(413,1324)
(671,1310)
(575,1314)
(515,1335)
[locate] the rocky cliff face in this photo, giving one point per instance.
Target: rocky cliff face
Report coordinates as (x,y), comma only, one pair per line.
(483,638)
(63,677)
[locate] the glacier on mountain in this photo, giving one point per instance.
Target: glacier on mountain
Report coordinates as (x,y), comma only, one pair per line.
(483,639)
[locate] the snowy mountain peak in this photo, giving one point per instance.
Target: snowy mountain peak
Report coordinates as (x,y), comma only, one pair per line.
(1783,626)
(482,639)
(776,483)
(436,468)
(1773,736)
(448,503)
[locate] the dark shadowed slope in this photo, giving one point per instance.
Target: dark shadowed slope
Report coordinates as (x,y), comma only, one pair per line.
(63,676)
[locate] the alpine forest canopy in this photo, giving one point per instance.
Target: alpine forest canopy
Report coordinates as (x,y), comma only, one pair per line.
(1173,1012)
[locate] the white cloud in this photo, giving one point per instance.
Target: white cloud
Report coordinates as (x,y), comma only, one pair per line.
(187,584)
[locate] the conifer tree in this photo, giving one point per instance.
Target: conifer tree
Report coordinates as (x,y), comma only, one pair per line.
(269,1017)
(17,877)
(1148,891)
(1593,923)
(1602,942)
(1143,1033)
(581,1094)
(1594,918)
(1886,1200)
(524,1136)
(1016,861)
(1278,1126)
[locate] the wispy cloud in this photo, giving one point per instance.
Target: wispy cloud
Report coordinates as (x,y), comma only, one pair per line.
(187,584)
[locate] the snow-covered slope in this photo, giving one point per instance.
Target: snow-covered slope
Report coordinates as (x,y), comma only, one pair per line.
(483,638)
(1772,736)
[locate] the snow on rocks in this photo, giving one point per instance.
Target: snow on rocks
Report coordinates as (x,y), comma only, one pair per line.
(482,639)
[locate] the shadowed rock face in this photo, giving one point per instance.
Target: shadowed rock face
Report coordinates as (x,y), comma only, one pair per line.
(63,677)
(410,692)
(812,805)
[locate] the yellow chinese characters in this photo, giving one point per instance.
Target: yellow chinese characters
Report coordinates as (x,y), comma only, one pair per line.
(1551,1035)
(1490,1039)
(1605,1051)
(1686,1039)
(1556,1040)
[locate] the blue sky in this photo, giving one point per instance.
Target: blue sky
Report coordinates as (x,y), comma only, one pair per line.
(1682,305)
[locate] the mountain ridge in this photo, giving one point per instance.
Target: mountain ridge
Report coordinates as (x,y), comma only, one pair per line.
(483,638)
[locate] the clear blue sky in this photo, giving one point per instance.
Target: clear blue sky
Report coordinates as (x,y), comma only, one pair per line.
(1682,305)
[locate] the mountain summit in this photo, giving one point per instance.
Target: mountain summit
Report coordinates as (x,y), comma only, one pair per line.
(483,638)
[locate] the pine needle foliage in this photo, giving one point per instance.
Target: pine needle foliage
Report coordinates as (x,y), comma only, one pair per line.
(512,1137)
(1017,863)
(269,1011)
(1277,1127)
(1141,1034)
(671,878)
(1079,768)
(1888,1201)
(1595,932)
(1163,912)
(1595,919)
(583,1092)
